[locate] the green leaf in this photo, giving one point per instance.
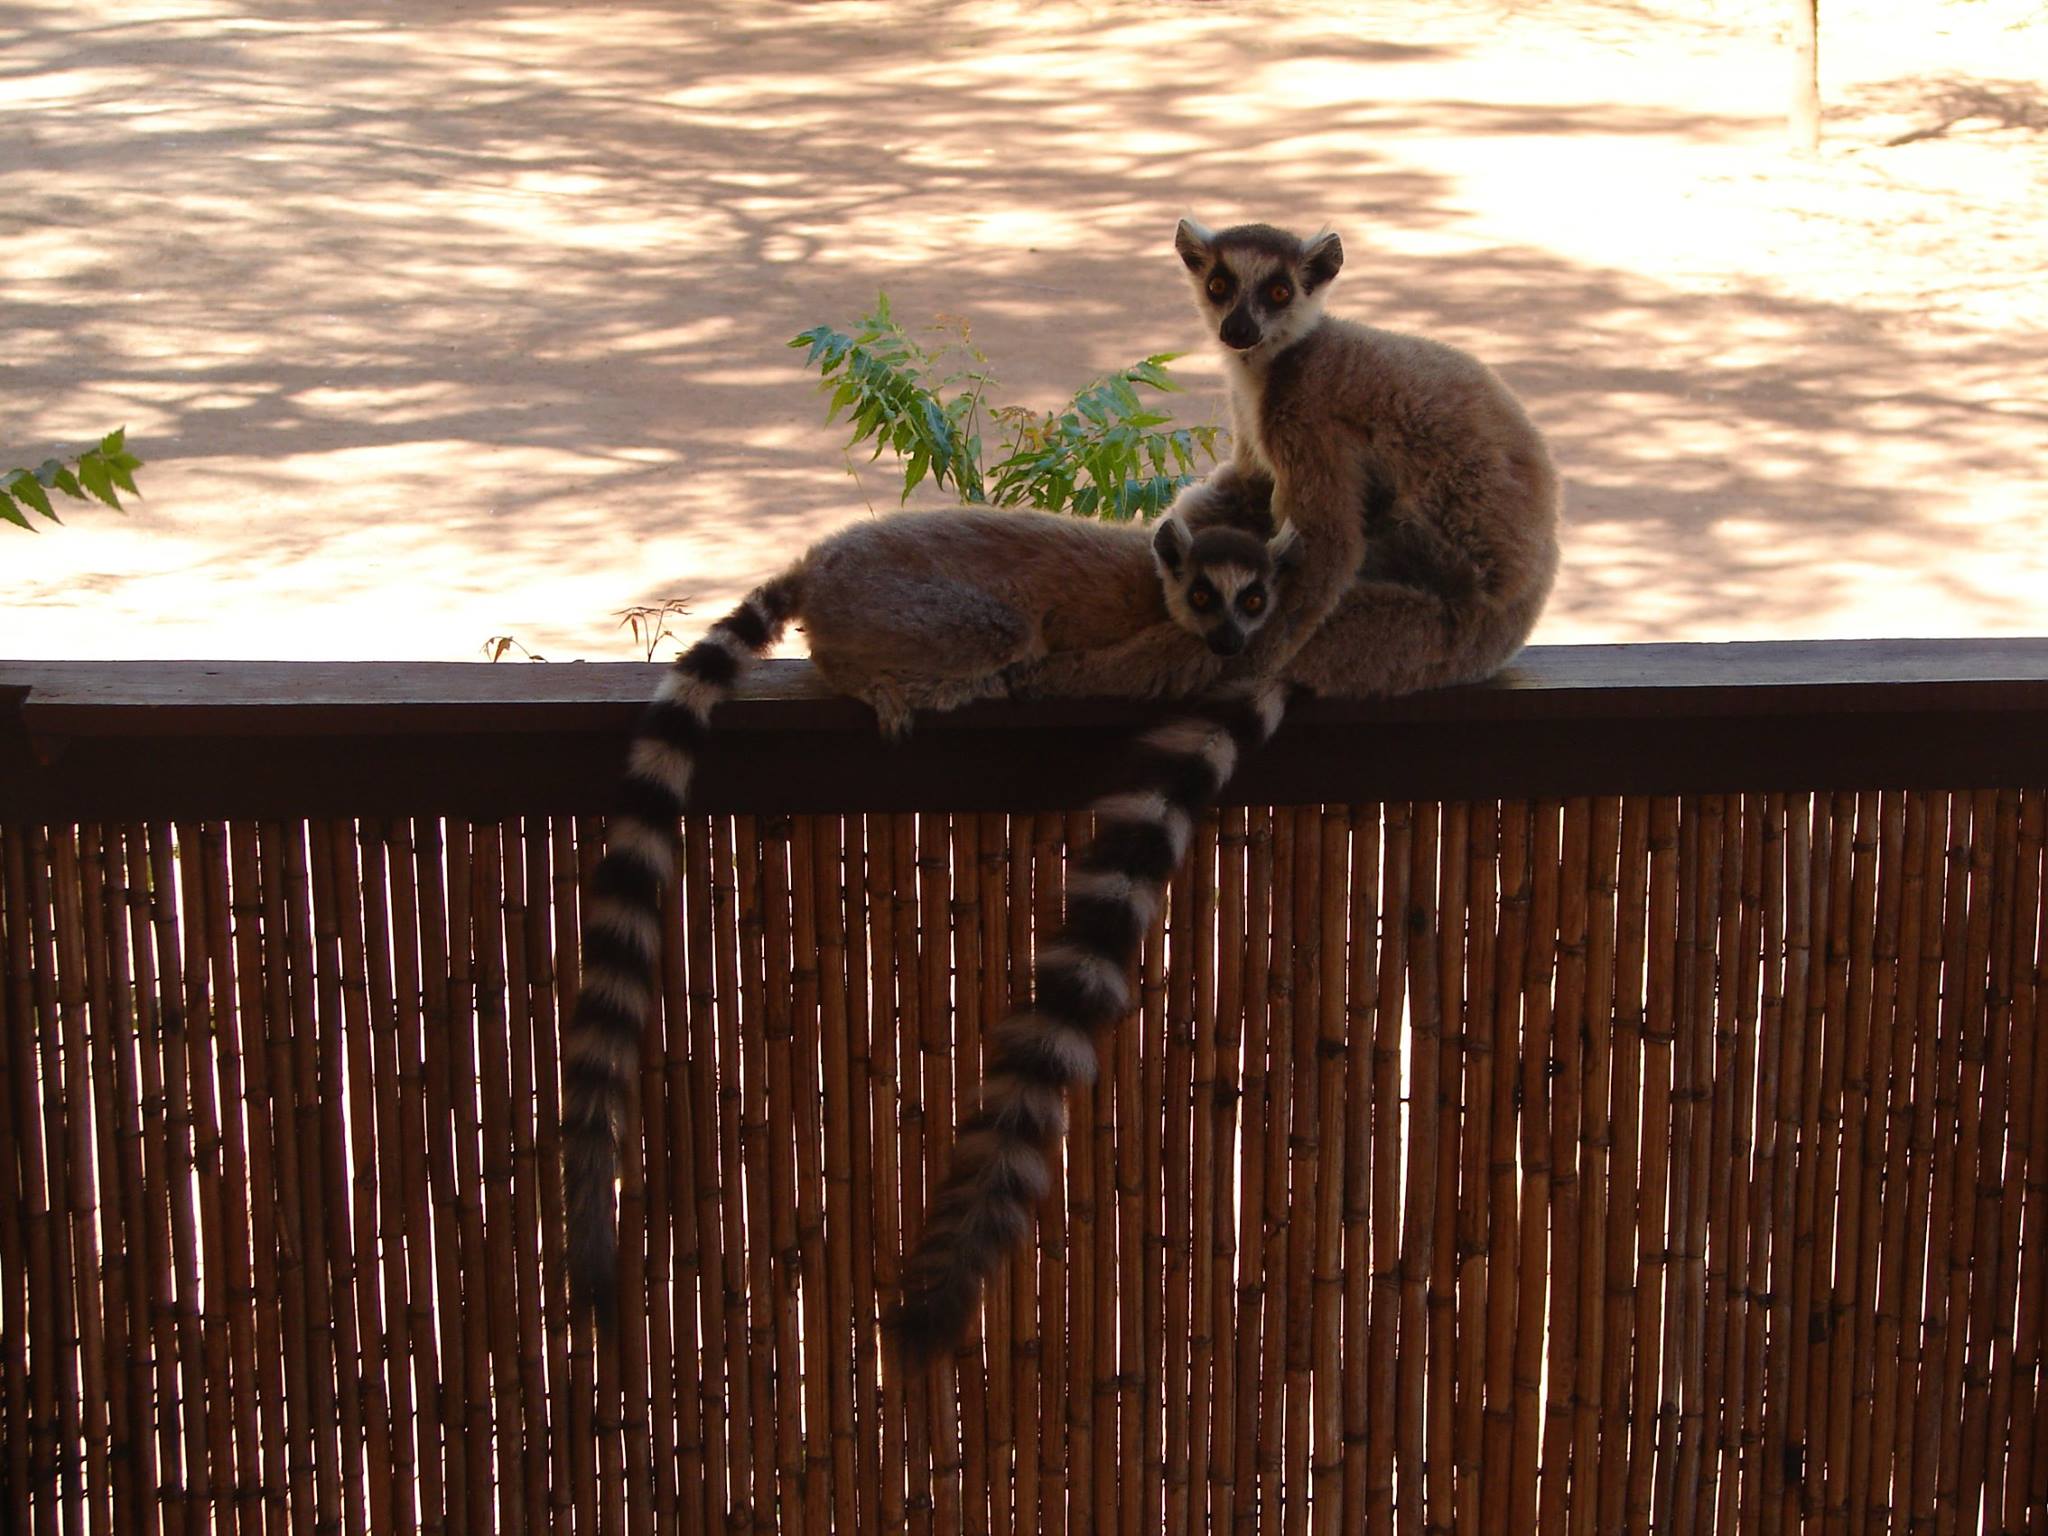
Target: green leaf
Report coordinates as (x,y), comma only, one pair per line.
(111,443)
(92,473)
(9,512)
(67,482)
(27,488)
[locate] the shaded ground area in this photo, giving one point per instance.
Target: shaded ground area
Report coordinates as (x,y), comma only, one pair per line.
(437,321)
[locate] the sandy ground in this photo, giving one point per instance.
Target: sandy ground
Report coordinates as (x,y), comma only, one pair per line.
(436,321)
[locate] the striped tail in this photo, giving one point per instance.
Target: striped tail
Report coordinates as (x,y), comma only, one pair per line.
(1001,1167)
(622,928)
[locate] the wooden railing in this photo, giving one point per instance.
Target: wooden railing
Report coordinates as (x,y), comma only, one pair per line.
(1613,1098)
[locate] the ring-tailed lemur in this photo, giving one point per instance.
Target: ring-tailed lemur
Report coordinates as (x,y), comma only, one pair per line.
(921,610)
(1428,505)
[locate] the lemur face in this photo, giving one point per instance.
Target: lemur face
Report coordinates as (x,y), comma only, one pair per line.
(1260,288)
(1220,584)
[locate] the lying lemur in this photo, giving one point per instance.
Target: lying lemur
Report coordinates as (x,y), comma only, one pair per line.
(1427,509)
(920,610)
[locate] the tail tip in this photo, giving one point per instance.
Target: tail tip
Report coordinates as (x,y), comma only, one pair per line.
(926,1325)
(593,1281)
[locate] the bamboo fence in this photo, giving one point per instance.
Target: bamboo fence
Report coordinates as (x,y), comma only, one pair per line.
(1589,1164)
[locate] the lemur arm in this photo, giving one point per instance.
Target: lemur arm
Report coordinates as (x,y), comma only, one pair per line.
(1235,494)
(1161,660)
(1321,502)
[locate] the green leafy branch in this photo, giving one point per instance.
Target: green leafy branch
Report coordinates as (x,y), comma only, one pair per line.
(100,472)
(1103,454)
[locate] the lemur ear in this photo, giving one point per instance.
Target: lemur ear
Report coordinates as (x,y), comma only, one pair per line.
(1321,260)
(1170,544)
(1285,550)
(1193,240)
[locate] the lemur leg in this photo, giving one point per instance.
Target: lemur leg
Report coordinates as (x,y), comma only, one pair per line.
(1232,494)
(920,645)
(1388,638)
(1160,661)
(895,699)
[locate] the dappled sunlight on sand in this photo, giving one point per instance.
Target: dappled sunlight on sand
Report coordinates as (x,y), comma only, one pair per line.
(447,320)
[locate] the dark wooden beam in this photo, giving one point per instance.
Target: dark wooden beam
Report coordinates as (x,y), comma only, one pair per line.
(111,740)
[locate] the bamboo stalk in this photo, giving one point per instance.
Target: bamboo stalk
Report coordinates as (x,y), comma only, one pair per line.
(17,1115)
(1806,852)
(1652,1231)
(1253,1281)
(43,1158)
(1535,1140)
(1866,1076)
(2009,1081)
(529,985)
(410,1450)
(352,1125)
(1568,1029)
(972,1362)
(935,1027)
(552,882)
(84,1361)
(1679,1456)
(1739,1337)
(838,1325)
(1994,855)
(1826,1458)
(665,1125)
(1232,1069)
(866,1199)
(1901,864)
(1486,885)
(141,1219)
(1418,1219)
(1177,1147)
(1064,1276)
(2024,1173)
(820,1349)
(1383,1344)
(205,1453)
(1206,1171)
(118,1495)
(752,1497)
(1127,1500)
(1099,1475)
(1692,1141)
(1914,1500)
(303,1378)
(405,1071)
(1141,1499)
(1303,1144)
(1952,1214)
(1361,1028)
(1503,1229)
(1453,877)
(766,1225)
(1328,1177)
(1281,1002)
(1596,1143)
(885,1044)
(995,907)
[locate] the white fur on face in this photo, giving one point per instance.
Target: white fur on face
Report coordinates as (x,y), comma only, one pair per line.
(1228,578)
(1254,271)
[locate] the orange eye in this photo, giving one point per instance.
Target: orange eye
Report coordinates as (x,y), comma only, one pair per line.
(1279,294)
(1219,287)
(1253,602)
(1200,598)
